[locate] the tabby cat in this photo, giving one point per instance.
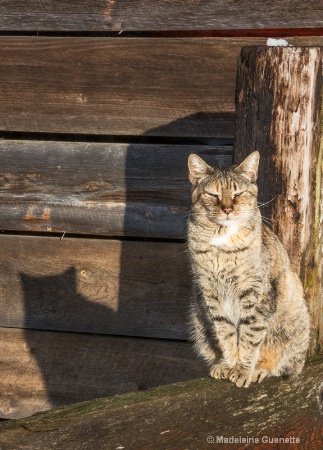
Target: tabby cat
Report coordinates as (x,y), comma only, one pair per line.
(248,315)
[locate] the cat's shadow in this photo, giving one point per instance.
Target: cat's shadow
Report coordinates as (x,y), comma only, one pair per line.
(63,357)
(54,299)
(78,366)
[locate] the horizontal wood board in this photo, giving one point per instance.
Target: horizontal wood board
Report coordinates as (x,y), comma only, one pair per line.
(41,370)
(116,86)
(140,15)
(152,87)
(188,415)
(105,286)
(107,189)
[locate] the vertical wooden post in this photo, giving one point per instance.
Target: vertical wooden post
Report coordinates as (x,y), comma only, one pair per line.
(278,99)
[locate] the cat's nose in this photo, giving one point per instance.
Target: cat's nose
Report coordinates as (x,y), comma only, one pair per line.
(227,210)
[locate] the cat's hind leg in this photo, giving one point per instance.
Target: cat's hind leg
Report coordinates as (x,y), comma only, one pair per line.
(285,356)
(268,363)
(291,363)
(260,374)
(277,361)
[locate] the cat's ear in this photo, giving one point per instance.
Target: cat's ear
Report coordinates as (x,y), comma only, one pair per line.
(198,169)
(249,167)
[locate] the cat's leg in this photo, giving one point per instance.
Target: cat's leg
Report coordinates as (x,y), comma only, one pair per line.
(297,337)
(226,334)
(295,365)
(270,354)
(259,374)
(277,360)
(290,329)
(285,347)
(242,374)
(201,336)
(282,353)
(218,346)
(292,360)
(214,337)
(252,332)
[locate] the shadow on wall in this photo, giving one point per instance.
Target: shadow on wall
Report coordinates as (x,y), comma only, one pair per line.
(141,287)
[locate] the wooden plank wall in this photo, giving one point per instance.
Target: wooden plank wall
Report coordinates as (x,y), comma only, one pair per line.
(100,107)
(113,189)
(127,86)
(139,15)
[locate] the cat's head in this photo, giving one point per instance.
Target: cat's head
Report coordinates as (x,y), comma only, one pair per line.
(224,196)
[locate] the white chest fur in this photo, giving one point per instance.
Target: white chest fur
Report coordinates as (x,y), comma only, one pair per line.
(225,234)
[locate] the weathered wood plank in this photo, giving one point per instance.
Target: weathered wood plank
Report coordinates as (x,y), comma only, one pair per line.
(107,189)
(41,370)
(196,414)
(156,87)
(278,113)
(116,86)
(107,15)
(94,285)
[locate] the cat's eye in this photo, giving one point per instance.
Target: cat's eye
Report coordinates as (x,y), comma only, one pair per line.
(237,194)
(212,194)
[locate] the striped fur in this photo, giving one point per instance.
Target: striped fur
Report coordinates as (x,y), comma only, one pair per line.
(248,315)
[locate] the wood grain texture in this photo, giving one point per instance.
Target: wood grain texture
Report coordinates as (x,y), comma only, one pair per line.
(155,87)
(106,189)
(129,15)
(117,287)
(185,415)
(278,113)
(41,370)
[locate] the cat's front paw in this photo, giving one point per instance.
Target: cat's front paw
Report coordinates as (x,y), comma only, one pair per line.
(240,376)
(220,371)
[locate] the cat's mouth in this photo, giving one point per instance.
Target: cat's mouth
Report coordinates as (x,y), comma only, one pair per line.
(224,221)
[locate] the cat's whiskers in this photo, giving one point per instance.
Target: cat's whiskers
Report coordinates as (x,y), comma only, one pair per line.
(260,205)
(252,219)
(266,221)
(245,215)
(264,218)
(191,213)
